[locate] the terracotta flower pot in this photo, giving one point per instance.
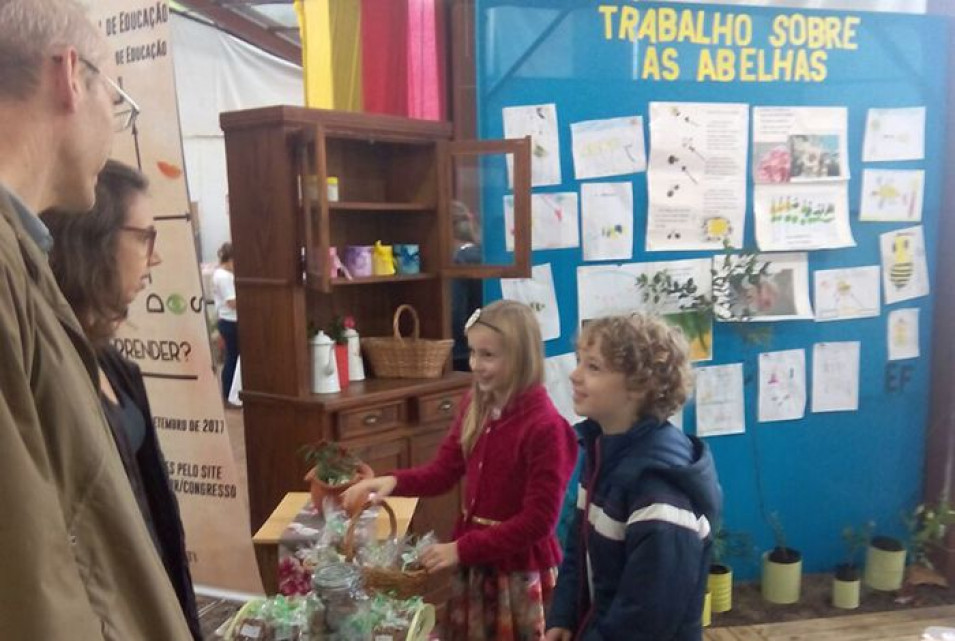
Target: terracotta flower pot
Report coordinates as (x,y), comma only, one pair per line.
(320,489)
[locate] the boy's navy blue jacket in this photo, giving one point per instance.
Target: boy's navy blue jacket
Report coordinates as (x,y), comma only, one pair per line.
(637,557)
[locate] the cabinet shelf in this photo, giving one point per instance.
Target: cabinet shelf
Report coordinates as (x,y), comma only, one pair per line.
(381,280)
(379,206)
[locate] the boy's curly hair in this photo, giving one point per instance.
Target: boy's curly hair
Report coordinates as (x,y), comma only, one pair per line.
(652,355)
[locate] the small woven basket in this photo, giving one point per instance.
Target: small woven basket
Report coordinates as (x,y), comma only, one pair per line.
(391,581)
(413,357)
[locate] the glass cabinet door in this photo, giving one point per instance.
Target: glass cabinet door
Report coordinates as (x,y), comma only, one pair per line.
(485,229)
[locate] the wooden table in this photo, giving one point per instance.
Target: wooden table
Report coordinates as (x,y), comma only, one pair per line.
(266,540)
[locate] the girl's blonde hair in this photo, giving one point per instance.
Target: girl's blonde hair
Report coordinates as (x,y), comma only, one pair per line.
(523,351)
(652,355)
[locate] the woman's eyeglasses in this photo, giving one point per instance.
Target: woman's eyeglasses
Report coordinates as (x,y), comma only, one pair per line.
(146,234)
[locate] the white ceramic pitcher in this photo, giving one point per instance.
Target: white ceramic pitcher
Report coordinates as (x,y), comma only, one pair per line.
(324,367)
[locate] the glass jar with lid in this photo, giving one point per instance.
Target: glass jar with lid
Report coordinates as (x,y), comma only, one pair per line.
(339,586)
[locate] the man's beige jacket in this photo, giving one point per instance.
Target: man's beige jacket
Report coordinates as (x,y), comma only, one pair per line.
(76,559)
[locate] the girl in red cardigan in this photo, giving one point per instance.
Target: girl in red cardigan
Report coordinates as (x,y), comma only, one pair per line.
(517,454)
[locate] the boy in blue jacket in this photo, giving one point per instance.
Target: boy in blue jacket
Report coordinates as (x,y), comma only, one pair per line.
(637,556)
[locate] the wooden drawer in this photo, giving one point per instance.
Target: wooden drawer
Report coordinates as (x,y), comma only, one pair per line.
(370,420)
(439,407)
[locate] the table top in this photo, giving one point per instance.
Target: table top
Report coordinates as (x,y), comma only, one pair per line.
(271,531)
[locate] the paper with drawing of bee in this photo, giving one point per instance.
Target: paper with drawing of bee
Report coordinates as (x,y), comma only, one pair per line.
(904,271)
(894,134)
(892,195)
(607,220)
(537,292)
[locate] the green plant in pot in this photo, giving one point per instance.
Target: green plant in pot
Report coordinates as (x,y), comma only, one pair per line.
(332,470)
(846,581)
(884,563)
(726,545)
(927,527)
(782,568)
(682,303)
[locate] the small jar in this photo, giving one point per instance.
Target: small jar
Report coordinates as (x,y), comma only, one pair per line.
(339,586)
(332,185)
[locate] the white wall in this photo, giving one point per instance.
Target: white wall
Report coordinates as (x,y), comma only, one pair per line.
(216,72)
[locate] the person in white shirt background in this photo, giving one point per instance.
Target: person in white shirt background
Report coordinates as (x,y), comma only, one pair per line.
(223,291)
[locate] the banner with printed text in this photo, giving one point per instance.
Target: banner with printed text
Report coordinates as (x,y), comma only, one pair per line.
(166,334)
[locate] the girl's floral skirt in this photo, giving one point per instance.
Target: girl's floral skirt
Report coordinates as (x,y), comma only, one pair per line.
(488,605)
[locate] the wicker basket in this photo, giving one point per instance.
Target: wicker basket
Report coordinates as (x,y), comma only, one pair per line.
(400,357)
(398,583)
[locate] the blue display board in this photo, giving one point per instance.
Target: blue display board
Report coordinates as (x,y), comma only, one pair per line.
(825,471)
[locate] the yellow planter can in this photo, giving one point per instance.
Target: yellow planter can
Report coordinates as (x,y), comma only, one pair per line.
(782,582)
(845,594)
(884,568)
(707,617)
(720,585)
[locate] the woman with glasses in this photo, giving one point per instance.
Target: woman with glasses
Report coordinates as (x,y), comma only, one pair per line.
(102,260)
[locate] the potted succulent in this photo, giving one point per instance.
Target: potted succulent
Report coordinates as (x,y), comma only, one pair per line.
(337,331)
(332,470)
(782,568)
(846,580)
(726,545)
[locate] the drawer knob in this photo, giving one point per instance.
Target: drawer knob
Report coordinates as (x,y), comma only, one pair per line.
(445,405)
(371,419)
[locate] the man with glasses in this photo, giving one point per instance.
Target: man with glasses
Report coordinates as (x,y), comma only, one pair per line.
(77,559)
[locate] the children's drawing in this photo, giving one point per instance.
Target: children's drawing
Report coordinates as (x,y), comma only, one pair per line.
(607,220)
(696,180)
(894,134)
(890,195)
(835,377)
(557,371)
(841,294)
(540,123)
(904,270)
(782,385)
(610,147)
(719,400)
(800,144)
(616,290)
(781,294)
(555,221)
(802,216)
(903,334)
(537,292)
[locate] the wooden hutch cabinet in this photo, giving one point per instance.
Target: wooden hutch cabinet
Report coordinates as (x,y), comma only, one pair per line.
(397,178)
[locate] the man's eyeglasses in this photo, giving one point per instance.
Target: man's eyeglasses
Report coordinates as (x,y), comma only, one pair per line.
(125,109)
(146,234)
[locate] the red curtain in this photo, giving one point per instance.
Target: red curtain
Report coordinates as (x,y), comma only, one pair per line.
(403,49)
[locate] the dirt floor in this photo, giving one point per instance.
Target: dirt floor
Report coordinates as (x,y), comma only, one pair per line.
(749,608)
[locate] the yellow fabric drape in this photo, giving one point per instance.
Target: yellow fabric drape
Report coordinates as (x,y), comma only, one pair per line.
(331,53)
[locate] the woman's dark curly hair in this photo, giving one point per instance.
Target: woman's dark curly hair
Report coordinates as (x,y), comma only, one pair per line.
(83,257)
(652,356)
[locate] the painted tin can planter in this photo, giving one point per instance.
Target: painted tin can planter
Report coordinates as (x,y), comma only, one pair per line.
(782,581)
(884,564)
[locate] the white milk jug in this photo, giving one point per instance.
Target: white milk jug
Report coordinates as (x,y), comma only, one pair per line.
(324,367)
